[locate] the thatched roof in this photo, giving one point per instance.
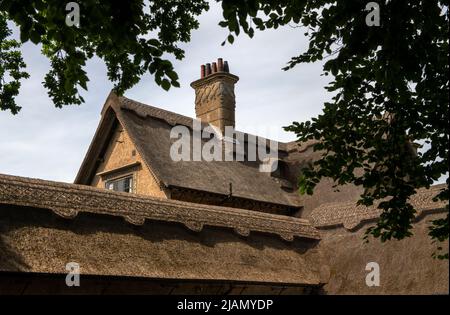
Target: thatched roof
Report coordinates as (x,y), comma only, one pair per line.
(351,216)
(44,225)
(67,200)
(149,129)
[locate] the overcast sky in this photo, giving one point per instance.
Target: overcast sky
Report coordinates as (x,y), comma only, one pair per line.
(49,143)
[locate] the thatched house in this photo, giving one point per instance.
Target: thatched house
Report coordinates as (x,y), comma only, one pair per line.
(137,221)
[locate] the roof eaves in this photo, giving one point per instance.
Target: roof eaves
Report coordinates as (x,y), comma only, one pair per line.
(67,200)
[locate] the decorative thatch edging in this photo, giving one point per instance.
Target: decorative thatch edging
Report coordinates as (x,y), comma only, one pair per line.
(67,200)
(351,216)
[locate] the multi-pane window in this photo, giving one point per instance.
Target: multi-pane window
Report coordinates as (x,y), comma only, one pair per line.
(124,184)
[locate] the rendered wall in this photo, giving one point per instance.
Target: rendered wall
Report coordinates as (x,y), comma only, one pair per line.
(121,152)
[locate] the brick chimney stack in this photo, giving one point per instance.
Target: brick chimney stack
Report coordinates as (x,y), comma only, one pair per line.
(214,94)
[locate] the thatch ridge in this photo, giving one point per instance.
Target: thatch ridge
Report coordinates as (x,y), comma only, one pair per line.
(68,200)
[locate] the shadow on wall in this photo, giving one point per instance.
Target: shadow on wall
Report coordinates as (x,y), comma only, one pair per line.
(10,259)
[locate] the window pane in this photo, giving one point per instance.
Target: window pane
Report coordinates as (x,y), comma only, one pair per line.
(127,184)
(122,184)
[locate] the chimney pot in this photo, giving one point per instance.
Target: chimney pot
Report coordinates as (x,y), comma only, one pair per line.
(214,67)
(226,68)
(220,64)
(208,69)
(202,71)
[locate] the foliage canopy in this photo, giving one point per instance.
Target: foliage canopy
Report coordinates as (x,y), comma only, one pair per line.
(391,97)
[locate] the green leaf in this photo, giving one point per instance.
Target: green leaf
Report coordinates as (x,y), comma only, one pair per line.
(24,37)
(165,84)
(35,37)
(172,75)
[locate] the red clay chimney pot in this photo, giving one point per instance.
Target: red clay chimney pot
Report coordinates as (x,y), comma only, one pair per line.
(226,68)
(202,71)
(220,64)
